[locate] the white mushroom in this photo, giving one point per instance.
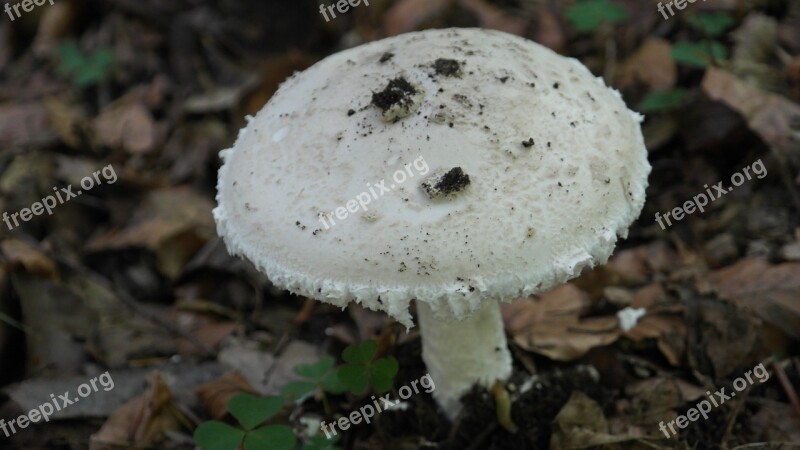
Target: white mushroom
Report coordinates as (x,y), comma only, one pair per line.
(551,169)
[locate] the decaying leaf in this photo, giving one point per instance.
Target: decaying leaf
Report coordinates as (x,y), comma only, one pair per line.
(774,118)
(551,324)
(216,393)
(143,421)
(581,424)
(770,291)
(651,64)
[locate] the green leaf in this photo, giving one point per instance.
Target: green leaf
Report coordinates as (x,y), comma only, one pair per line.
(712,24)
(590,14)
(698,54)
(383,372)
(218,436)
(252,411)
(331,383)
(299,390)
(272,437)
(663,100)
(70,59)
(84,71)
(315,371)
(96,69)
(355,377)
(360,353)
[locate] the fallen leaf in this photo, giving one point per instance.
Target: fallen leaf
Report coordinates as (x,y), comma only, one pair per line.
(31,258)
(774,118)
(581,424)
(25,124)
(216,393)
(651,64)
(551,325)
(54,25)
(127,125)
(174,223)
(408,15)
(492,17)
(771,291)
(68,120)
(143,421)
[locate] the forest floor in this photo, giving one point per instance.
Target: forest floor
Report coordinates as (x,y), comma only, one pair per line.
(130,279)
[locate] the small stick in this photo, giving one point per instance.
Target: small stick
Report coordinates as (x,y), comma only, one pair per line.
(787,386)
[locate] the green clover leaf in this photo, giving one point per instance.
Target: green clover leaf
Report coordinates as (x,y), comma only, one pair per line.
(696,54)
(216,435)
(383,373)
(252,411)
(271,437)
(589,15)
(663,100)
(360,353)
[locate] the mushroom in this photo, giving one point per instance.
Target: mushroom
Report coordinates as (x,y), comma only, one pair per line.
(471,167)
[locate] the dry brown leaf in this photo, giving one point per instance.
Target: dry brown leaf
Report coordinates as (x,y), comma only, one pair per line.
(774,118)
(127,125)
(407,15)
(174,223)
(581,424)
(69,121)
(669,331)
(492,17)
(656,399)
(34,261)
(209,331)
(549,31)
(650,64)
(143,421)
(551,324)
(24,124)
(54,24)
(771,291)
(216,393)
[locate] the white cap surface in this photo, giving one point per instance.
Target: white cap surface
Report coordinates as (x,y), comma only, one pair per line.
(546,167)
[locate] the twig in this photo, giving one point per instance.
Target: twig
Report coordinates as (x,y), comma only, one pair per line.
(787,386)
(134,305)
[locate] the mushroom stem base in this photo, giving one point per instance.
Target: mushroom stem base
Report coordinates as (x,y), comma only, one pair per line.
(459,354)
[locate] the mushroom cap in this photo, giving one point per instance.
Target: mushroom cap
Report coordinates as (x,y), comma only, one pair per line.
(555,161)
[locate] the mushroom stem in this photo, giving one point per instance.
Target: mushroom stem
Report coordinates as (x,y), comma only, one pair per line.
(459,354)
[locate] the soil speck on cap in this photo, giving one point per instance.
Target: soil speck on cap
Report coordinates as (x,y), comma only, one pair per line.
(451,182)
(386,57)
(396,92)
(447,67)
(528,144)
(397,100)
